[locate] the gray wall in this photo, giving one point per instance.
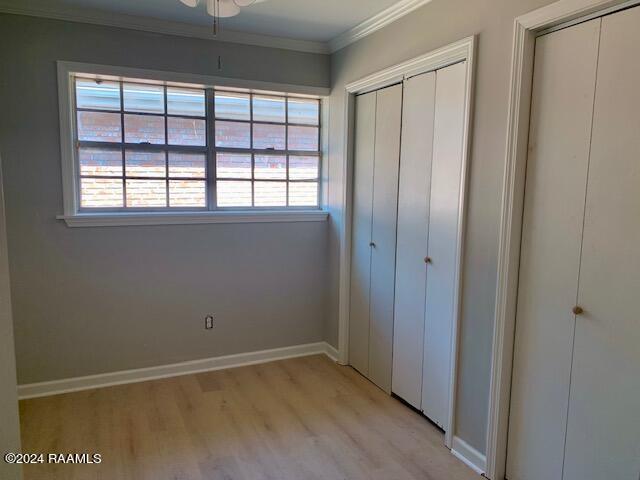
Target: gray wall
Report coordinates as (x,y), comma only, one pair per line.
(435,25)
(9,424)
(95,300)
(103,299)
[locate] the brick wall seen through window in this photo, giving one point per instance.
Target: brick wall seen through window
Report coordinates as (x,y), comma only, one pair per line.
(149,146)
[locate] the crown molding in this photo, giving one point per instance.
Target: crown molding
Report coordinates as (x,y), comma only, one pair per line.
(133,22)
(44,9)
(375,23)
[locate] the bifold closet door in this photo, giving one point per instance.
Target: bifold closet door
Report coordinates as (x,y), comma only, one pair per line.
(428,221)
(442,243)
(413,220)
(375,201)
(364,140)
(383,234)
(603,426)
(557,166)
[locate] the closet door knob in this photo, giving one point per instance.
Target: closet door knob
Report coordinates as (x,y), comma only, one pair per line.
(577,310)
(427,259)
(372,244)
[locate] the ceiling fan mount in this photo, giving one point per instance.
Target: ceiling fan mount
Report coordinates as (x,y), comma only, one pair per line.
(221,8)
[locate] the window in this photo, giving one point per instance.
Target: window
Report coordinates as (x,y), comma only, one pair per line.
(267,149)
(150,146)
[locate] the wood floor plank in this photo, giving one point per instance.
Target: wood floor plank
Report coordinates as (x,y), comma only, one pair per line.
(298,419)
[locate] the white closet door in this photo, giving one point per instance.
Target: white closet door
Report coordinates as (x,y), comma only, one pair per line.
(383,234)
(560,128)
(413,217)
(365,125)
(443,238)
(603,429)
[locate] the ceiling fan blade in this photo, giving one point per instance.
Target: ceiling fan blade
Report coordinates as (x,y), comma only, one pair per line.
(190,3)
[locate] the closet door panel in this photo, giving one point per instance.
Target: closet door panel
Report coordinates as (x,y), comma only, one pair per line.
(413,217)
(603,429)
(442,241)
(383,253)
(560,130)
(365,124)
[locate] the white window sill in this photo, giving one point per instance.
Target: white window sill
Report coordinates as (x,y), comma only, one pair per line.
(190,218)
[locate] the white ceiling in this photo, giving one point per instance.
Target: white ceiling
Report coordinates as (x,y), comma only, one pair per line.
(312,20)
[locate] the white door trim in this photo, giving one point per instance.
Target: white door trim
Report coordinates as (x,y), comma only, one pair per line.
(463,50)
(525,29)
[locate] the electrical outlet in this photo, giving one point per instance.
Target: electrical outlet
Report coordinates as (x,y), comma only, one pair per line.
(208,322)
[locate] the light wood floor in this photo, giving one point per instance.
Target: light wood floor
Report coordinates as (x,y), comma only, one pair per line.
(299,419)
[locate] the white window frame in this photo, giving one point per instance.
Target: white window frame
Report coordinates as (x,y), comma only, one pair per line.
(75,217)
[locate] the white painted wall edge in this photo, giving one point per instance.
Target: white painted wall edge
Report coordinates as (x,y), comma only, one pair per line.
(55,387)
(469,455)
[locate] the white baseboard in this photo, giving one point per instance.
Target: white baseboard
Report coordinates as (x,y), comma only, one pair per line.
(42,389)
(469,455)
(331,352)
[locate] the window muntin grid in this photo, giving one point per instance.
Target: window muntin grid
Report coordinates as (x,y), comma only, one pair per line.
(253,150)
(135,121)
(139,162)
